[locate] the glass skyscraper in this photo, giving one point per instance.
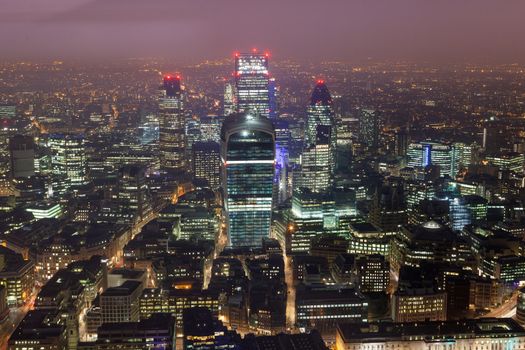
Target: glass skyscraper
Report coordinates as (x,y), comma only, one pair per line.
(251,83)
(172,144)
(318,156)
(247,173)
(319,112)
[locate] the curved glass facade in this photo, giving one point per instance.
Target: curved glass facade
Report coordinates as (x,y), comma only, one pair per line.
(248,171)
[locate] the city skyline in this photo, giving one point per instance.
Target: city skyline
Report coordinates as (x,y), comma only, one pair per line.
(345,178)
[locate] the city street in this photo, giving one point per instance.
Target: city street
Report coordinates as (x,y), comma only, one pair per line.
(507,309)
(15,317)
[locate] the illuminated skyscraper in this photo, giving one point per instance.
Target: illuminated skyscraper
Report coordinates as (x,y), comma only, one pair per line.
(282,156)
(251,82)
(319,112)
(247,173)
(68,158)
(317,162)
(172,119)
(132,194)
(318,157)
(206,162)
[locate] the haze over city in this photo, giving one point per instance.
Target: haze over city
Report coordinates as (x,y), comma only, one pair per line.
(436,31)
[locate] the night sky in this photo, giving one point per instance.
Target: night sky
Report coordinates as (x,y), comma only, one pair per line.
(431,30)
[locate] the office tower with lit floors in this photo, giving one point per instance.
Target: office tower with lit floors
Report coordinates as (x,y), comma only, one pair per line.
(251,83)
(317,163)
(318,157)
(247,173)
(369,127)
(172,117)
(206,163)
(68,160)
(133,194)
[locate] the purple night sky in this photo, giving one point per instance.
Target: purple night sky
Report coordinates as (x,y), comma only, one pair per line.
(433,30)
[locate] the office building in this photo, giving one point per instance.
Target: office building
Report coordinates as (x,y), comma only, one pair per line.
(251,83)
(322,308)
(121,304)
(133,196)
(172,119)
(22,156)
(68,161)
(17,276)
(38,330)
(423,154)
(483,334)
(155,332)
(320,112)
(373,273)
(175,301)
(206,163)
(247,161)
(317,163)
(419,304)
(202,331)
(369,128)
(507,161)
(45,210)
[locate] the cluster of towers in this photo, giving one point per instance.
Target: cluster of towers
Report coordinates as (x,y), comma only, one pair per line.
(253,146)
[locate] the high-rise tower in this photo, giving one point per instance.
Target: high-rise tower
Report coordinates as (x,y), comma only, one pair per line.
(172,118)
(369,127)
(318,157)
(251,83)
(247,173)
(68,160)
(319,112)
(317,163)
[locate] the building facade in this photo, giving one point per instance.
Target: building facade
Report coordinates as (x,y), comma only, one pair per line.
(247,162)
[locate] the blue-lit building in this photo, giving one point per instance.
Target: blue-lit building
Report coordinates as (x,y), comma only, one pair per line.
(251,83)
(247,174)
(282,156)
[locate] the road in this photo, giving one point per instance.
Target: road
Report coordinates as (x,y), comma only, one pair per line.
(505,310)
(290,299)
(15,317)
(222,240)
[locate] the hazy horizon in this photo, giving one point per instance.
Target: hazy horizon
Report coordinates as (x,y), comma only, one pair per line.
(431,31)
